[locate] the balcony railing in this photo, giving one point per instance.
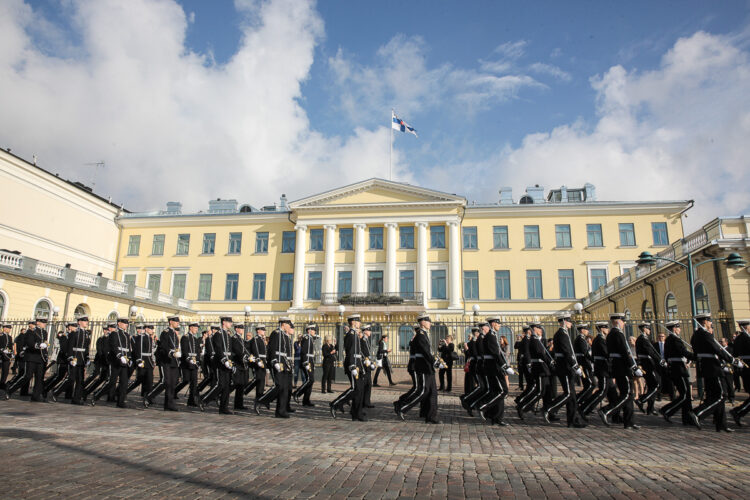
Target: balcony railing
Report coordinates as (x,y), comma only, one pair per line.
(365,298)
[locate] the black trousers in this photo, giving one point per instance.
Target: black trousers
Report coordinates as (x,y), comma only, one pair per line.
(190,380)
(240,379)
(713,403)
(728,385)
(469,382)
(471,399)
(171,374)
(224,381)
(36,370)
(4,369)
(405,396)
(258,383)
(448,374)
(118,383)
(426,389)
(683,399)
(284,393)
(605,388)
(308,378)
(386,369)
(97,379)
(327,379)
(144,377)
(367,387)
(59,376)
(523,374)
(494,407)
(538,387)
(623,401)
(744,408)
(568,398)
(76,380)
(158,387)
(653,386)
(587,382)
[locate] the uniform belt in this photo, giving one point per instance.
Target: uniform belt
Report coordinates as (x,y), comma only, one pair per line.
(311,355)
(643,356)
(79,349)
(261,355)
(357,355)
(600,358)
(559,355)
(708,356)
(146,354)
(580,355)
(487,356)
(192,354)
(676,360)
(537,360)
(614,355)
(745,357)
(124,348)
(419,355)
(412,356)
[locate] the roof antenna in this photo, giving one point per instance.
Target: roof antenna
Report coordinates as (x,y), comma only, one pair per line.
(33,157)
(93,178)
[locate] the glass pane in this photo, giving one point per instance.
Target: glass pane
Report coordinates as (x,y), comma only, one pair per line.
(157,248)
(345,283)
(183,244)
(376,238)
(286,286)
(204,287)
(287,242)
(437,236)
(500,236)
(502,284)
(261,242)
(259,286)
(562,236)
(531,236)
(346,238)
(406,281)
(154,282)
(134,243)
(406,237)
(313,285)
(316,240)
(209,243)
(594,235)
(178,286)
(235,243)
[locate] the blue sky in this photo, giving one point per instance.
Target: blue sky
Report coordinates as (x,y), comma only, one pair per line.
(294,96)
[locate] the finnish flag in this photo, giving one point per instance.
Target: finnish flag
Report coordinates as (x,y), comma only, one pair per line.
(400,125)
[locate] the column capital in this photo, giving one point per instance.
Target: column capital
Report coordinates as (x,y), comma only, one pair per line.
(300,227)
(421,224)
(332,227)
(452,223)
(390,224)
(359,225)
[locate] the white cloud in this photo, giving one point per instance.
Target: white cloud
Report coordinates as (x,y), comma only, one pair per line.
(677,132)
(551,70)
(172,124)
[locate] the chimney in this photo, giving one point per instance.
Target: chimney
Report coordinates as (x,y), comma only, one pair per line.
(536,193)
(590,192)
(282,203)
(174,208)
(506,195)
(219,206)
(563,194)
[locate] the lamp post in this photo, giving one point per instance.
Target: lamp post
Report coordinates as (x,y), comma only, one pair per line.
(732,261)
(248,310)
(475,310)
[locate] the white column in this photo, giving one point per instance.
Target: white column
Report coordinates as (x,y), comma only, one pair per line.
(422,260)
(329,279)
(359,279)
(454,266)
(299,267)
(391,280)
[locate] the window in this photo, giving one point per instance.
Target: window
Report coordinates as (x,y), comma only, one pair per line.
(314,280)
(500,237)
(470,238)
(157,247)
(346,238)
(235,243)
(437,278)
(128,279)
(259,286)
(345,283)
(594,235)
(531,236)
(80,310)
(2,306)
(316,240)
(376,238)
(375,282)
(471,284)
(209,243)
(598,278)
(534,283)
(183,244)
(437,236)
(502,285)
(178,285)
(567,284)
(406,237)
(287,242)
(562,236)
(134,244)
(154,283)
(286,286)
(405,333)
(204,286)
(230,290)
(701,299)
(42,309)
(670,304)
(659,229)
(261,242)
(406,281)
(627,235)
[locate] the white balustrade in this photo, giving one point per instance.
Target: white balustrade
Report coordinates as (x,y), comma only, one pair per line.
(47,269)
(11,260)
(86,279)
(117,286)
(142,293)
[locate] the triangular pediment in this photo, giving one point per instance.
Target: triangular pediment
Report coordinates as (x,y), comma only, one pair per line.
(374,192)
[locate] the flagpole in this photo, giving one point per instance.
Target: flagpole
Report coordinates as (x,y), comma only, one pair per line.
(390,158)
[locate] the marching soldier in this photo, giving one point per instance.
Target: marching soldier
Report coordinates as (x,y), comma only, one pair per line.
(241,359)
(6,355)
(604,386)
(541,363)
(470,382)
(35,358)
(709,354)
(410,370)
(189,345)
(650,362)
(474,398)
(368,364)
(329,364)
(623,369)
(19,379)
(424,368)
(677,356)
(171,355)
(62,361)
(497,370)
(566,368)
(222,353)
(280,358)
(120,360)
(383,362)
(77,356)
(101,364)
(257,347)
(742,352)
(583,356)
(353,367)
(143,354)
(522,363)
(307,365)
(208,365)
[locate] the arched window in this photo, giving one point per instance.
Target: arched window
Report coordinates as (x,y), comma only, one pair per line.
(81,310)
(526,200)
(437,331)
(404,336)
(670,306)
(42,309)
(646,311)
(701,299)
(2,306)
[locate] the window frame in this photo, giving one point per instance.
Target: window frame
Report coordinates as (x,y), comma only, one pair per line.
(589,233)
(564,284)
(288,239)
(236,287)
(529,232)
(532,280)
(408,232)
(502,278)
(560,231)
(346,235)
(622,230)
(238,241)
(285,282)
(260,238)
(184,284)
(154,241)
(444,280)
(208,238)
(131,239)
(319,285)
(201,284)
(655,231)
(497,231)
(315,236)
(469,232)
(403,279)
(373,278)
(259,286)
(471,285)
(346,278)
(183,242)
(436,232)
(375,237)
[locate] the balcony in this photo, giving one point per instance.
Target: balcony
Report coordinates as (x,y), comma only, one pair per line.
(365,298)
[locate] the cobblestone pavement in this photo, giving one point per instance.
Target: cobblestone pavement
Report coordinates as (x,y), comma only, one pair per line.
(60,450)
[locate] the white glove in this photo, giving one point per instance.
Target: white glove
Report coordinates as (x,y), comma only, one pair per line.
(73,361)
(123,359)
(663,363)
(277,367)
(43,345)
(177,354)
(509,371)
(726,369)
(579,372)
(260,364)
(355,373)
(228,364)
(737,362)
(638,372)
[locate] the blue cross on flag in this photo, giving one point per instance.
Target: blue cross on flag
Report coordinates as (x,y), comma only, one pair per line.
(401,125)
